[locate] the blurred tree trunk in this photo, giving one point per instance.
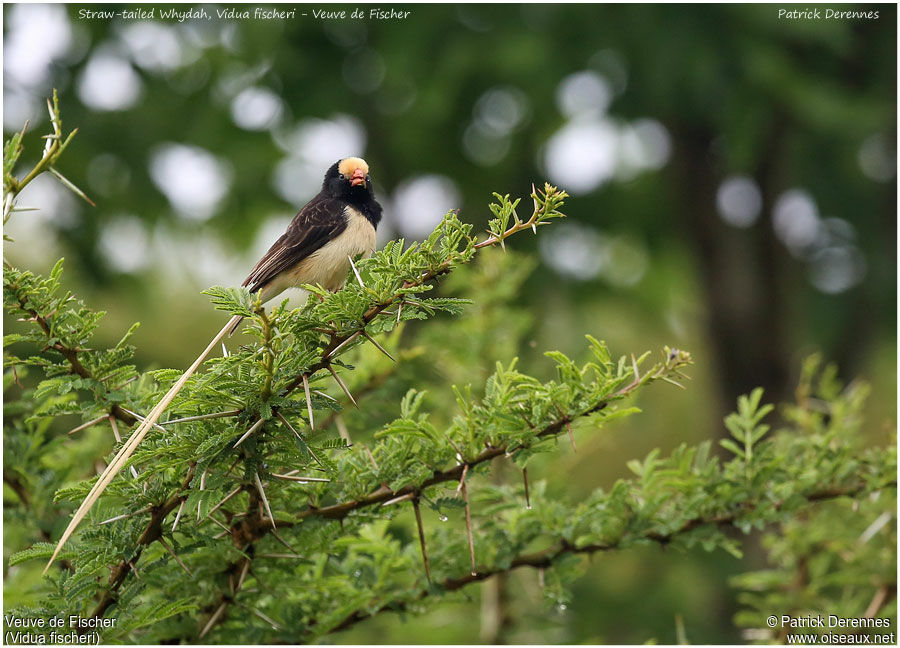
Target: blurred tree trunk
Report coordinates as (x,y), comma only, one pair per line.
(496,613)
(495,617)
(745,273)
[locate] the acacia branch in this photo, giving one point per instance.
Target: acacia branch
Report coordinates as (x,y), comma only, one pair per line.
(250,528)
(254,527)
(383,494)
(336,341)
(545,558)
(375,381)
(15,483)
(244,533)
(70,354)
(152,532)
(53,148)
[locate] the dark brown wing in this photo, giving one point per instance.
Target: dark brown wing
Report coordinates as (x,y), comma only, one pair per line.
(320,220)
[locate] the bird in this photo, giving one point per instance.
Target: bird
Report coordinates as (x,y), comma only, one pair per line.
(335,226)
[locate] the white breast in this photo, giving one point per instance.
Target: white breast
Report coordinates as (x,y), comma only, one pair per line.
(328,266)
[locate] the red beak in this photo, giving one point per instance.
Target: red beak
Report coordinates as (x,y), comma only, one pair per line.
(358,178)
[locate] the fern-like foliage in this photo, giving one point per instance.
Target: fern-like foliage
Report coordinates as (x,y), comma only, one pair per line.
(264,507)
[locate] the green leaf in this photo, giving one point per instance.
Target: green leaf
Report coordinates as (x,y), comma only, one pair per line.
(39,550)
(233,300)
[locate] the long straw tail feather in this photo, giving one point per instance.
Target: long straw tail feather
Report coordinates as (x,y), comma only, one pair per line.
(131,445)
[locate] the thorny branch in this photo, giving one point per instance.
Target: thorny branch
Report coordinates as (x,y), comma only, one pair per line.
(252,527)
(250,532)
(69,353)
(337,340)
(383,494)
(55,145)
(545,558)
(152,531)
(543,210)
(249,529)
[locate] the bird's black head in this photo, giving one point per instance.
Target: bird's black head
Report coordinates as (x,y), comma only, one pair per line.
(349,180)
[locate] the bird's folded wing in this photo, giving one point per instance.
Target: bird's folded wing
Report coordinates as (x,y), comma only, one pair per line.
(320,221)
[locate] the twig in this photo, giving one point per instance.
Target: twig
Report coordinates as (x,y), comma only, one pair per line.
(85,426)
(309,407)
(69,353)
(462,480)
(415,503)
(401,297)
(377,345)
(151,532)
(231,467)
(397,500)
(568,425)
(126,515)
(342,429)
(343,386)
(341,510)
(227,497)
(301,479)
(178,515)
(336,345)
(252,429)
(128,449)
(262,494)
(525,480)
(541,560)
(175,556)
(201,417)
(465,494)
(54,146)
(213,619)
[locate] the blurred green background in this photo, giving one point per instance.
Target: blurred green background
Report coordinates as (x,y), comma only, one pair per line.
(733,192)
